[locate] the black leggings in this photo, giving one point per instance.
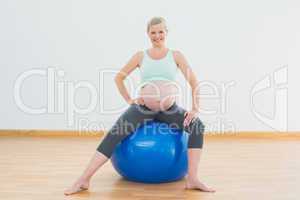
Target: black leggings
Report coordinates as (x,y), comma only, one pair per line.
(136,115)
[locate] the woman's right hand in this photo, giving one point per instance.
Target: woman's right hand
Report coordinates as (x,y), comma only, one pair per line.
(139,101)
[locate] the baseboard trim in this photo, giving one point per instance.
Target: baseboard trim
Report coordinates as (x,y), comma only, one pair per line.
(212,135)
(51,133)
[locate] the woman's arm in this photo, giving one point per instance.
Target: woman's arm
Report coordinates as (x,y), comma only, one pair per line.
(190,76)
(124,72)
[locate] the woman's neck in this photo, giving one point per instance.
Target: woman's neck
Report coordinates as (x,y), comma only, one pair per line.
(159,47)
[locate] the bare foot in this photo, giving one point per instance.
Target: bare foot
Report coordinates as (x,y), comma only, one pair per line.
(79,185)
(197,185)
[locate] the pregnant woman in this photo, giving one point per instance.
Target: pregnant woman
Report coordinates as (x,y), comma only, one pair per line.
(158,66)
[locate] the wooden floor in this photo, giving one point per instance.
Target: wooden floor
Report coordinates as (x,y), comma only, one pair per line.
(40,168)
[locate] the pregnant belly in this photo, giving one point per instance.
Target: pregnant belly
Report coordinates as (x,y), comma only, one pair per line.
(159,95)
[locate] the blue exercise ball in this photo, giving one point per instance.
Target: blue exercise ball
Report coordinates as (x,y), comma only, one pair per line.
(154,153)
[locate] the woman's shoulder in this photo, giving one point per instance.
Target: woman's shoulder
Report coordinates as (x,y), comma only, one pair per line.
(139,55)
(177,54)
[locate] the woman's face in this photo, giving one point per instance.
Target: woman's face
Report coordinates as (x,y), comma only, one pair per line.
(157,34)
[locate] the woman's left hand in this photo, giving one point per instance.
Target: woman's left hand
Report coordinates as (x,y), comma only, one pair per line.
(189,116)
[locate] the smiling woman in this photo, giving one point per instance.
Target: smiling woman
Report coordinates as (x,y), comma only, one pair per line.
(158,69)
(158,90)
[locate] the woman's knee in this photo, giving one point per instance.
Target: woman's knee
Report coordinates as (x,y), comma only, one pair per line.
(196,137)
(196,126)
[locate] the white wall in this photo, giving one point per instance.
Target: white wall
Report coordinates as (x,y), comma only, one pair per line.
(237,43)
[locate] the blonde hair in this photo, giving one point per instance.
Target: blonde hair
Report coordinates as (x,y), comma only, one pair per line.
(156,20)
